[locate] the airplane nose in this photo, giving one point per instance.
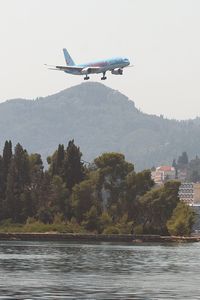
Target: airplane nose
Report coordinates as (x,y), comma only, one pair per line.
(125,61)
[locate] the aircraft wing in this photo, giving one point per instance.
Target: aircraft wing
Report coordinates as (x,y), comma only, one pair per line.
(84,70)
(64,68)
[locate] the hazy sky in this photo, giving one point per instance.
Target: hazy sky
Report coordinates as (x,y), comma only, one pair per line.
(161,37)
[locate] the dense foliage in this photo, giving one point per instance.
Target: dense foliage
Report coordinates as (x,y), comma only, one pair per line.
(107,196)
(191,168)
(181,221)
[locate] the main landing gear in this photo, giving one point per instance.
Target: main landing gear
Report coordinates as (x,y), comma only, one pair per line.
(86,77)
(104,77)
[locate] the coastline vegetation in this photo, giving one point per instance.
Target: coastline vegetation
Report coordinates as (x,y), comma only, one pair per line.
(107,196)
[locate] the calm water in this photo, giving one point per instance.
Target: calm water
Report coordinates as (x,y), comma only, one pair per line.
(55,270)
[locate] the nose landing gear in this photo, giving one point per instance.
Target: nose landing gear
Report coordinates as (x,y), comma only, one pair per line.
(86,77)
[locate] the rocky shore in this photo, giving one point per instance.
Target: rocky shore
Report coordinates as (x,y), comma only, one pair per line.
(54,236)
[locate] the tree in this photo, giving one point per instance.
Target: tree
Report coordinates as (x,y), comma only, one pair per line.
(193,174)
(183,160)
(137,184)
(18,183)
(174,164)
(45,211)
(105,221)
(156,207)
(7,155)
(83,198)
(57,162)
(144,182)
(92,219)
(36,180)
(113,163)
(1,188)
(182,220)
(112,169)
(60,197)
(73,166)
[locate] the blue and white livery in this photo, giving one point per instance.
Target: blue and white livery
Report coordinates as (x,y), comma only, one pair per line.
(114,65)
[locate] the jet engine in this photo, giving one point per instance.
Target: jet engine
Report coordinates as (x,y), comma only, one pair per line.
(86,71)
(117,72)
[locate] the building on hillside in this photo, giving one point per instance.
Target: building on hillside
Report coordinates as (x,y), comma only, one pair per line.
(189,193)
(158,177)
(163,174)
(182,175)
(186,193)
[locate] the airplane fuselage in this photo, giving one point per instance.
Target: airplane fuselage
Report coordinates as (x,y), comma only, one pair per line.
(103,65)
(114,65)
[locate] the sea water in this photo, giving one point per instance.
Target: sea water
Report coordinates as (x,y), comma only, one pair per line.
(65,270)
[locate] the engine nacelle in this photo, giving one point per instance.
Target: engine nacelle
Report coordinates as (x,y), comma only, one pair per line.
(117,72)
(86,71)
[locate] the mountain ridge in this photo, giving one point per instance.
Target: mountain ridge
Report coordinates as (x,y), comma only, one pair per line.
(99,119)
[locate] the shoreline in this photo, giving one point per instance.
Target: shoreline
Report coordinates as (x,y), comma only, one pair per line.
(128,238)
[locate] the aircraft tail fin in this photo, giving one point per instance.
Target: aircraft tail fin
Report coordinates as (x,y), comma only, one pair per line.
(68,59)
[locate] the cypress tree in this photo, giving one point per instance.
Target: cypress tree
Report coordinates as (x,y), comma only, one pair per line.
(44,213)
(59,161)
(1,188)
(73,167)
(7,155)
(9,206)
(56,162)
(183,160)
(36,179)
(18,181)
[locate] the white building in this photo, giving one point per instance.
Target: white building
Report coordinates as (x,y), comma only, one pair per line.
(163,173)
(190,193)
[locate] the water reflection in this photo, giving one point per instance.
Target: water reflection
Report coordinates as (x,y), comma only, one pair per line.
(51,270)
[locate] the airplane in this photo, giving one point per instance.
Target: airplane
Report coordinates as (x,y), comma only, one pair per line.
(115,65)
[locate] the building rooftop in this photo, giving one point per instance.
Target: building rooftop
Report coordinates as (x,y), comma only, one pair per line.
(165,168)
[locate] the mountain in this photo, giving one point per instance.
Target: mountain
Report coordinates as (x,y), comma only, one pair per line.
(99,119)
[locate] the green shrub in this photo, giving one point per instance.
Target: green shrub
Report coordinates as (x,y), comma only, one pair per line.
(111,230)
(124,226)
(138,229)
(182,220)
(30,220)
(6,222)
(58,218)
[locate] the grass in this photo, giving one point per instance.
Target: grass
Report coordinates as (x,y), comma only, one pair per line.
(38,227)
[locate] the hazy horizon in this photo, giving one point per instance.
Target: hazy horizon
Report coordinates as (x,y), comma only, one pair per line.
(159,37)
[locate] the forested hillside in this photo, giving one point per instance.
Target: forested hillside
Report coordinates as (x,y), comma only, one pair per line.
(99,119)
(105,197)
